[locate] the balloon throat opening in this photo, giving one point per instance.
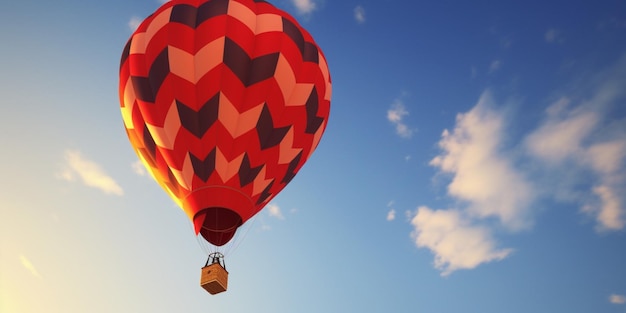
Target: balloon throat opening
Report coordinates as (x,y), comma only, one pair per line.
(217,225)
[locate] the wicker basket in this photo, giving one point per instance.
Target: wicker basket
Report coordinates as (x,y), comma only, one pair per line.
(214,278)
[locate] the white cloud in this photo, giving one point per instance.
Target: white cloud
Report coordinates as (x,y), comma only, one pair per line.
(578,149)
(455,243)
(484,177)
(486,184)
(561,136)
(90,173)
(134,22)
(577,140)
(494,66)
(274,211)
(391,215)
(617,299)
(607,157)
(29,266)
(396,115)
(305,6)
(397,112)
(609,213)
(139,168)
(359,14)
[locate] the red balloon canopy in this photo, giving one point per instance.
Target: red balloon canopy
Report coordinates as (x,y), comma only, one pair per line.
(223,101)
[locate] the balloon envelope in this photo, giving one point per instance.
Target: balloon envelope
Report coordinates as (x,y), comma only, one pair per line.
(223,101)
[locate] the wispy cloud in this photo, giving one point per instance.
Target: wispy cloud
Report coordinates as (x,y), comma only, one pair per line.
(578,155)
(473,72)
(617,299)
(494,66)
(359,14)
(609,213)
(89,172)
(305,6)
(139,168)
(485,184)
(455,242)
(561,135)
(274,211)
(396,114)
(134,22)
(606,157)
(506,42)
(29,266)
(483,176)
(611,23)
(391,215)
(579,137)
(553,35)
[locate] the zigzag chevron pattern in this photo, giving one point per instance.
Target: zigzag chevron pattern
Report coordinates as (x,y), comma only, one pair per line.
(224,101)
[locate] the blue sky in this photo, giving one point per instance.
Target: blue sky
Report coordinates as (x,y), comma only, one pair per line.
(474,161)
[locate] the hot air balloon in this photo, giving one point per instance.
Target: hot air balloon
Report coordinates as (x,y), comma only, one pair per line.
(223,101)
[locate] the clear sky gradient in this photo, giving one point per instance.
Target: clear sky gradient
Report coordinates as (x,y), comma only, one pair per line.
(474,161)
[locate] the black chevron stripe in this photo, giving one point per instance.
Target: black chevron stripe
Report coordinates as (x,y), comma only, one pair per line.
(266,193)
(184,14)
(199,122)
(146,156)
(268,135)
(148,142)
(203,168)
(293,32)
(195,16)
(211,9)
(159,70)
(310,53)
(313,122)
(125,53)
(291,170)
(173,183)
(137,137)
(249,71)
(307,49)
(247,174)
(146,88)
(143,90)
